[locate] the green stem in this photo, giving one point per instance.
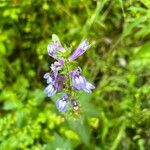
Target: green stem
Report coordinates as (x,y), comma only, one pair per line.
(118,138)
(68,76)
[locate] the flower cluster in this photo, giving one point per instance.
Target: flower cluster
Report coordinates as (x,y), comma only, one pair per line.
(62,77)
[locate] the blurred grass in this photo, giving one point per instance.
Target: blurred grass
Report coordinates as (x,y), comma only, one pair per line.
(116,115)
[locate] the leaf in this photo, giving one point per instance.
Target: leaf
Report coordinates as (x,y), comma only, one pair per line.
(146,3)
(80,127)
(59,143)
(141,58)
(144,52)
(2,49)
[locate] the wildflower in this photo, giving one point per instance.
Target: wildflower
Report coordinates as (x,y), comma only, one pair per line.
(50,90)
(79,82)
(54,47)
(57,65)
(54,81)
(83,46)
(62,103)
(50,77)
(61,74)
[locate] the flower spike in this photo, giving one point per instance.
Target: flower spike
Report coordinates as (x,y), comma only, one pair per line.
(63,78)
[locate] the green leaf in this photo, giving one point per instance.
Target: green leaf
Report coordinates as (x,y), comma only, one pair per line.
(2,49)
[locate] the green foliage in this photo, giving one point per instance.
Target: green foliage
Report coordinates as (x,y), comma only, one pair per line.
(116,115)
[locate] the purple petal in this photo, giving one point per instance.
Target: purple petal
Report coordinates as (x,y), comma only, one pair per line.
(89,87)
(62,103)
(79,82)
(61,62)
(82,81)
(57,104)
(53,48)
(58,86)
(52,93)
(65,96)
(60,78)
(83,46)
(50,90)
(46,75)
(49,80)
(57,65)
(65,108)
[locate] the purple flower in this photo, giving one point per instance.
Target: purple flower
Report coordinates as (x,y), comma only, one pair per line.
(54,81)
(62,103)
(79,82)
(83,46)
(74,104)
(54,47)
(50,90)
(51,77)
(89,87)
(58,79)
(57,65)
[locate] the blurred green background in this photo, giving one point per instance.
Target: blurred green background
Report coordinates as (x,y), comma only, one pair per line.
(116,116)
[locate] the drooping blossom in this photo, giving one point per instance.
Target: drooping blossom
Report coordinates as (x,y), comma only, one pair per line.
(79,82)
(62,103)
(83,46)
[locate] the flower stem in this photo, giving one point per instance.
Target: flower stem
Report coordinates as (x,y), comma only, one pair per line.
(68,76)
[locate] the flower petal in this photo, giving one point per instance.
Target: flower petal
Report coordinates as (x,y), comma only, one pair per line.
(62,103)
(46,75)
(83,46)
